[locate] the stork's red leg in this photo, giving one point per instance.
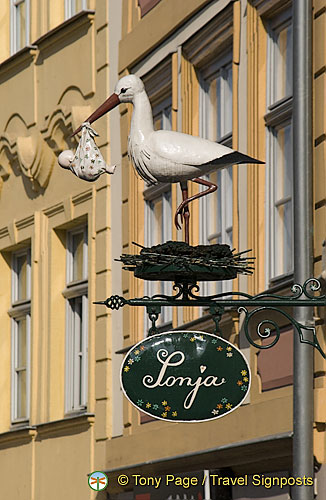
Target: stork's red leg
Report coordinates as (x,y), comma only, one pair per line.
(184,212)
(183,209)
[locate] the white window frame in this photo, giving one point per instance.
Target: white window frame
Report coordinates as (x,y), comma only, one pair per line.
(212,71)
(76,380)
(15,43)
(278,116)
(20,309)
(70,8)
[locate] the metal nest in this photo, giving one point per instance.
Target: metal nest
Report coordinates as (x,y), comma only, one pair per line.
(178,261)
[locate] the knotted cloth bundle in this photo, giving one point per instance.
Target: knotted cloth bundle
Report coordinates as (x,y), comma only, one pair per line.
(87,163)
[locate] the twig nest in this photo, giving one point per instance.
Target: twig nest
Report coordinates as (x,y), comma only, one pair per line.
(65,158)
(177,261)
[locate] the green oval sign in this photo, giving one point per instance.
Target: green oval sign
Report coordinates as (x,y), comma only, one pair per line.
(185,376)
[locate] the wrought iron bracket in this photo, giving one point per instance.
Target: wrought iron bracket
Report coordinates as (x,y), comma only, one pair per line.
(302,296)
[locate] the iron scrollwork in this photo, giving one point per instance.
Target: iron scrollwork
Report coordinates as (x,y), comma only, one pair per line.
(187,295)
(264,332)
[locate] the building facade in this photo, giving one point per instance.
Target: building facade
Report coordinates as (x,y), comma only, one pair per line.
(56,244)
(222,70)
(219,69)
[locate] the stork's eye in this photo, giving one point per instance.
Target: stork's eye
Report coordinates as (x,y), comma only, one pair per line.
(123,91)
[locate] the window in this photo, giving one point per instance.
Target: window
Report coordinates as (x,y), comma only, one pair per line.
(158,214)
(162,115)
(72,7)
(279,148)
(158,209)
(19,24)
(76,320)
(215,104)
(20,335)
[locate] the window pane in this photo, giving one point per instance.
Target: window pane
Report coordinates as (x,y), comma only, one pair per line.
(213,210)
(158,122)
(78,255)
(162,117)
(214,124)
(227,172)
(167,216)
(157,221)
(21,394)
(283,239)
(283,64)
(75,6)
(283,186)
(21,263)
(79,5)
(227,101)
(219,104)
(283,163)
(21,19)
(76,360)
(21,354)
(78,341)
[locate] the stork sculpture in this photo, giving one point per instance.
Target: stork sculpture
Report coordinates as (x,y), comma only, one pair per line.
(167,156)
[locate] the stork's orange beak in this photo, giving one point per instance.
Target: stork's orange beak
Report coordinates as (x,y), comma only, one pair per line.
(109,104)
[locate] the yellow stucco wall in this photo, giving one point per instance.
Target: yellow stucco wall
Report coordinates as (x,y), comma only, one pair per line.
(139,43)
(47,91)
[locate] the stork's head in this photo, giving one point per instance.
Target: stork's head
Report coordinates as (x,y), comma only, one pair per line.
(128,87)
(125,91)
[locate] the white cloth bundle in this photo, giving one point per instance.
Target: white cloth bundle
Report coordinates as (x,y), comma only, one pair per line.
(87,163)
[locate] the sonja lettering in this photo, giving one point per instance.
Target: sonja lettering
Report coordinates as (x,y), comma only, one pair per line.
(170,381)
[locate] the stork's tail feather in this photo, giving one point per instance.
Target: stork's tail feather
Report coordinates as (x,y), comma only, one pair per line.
(234,158)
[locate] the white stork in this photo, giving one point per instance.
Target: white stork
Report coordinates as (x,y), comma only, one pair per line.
(167,156)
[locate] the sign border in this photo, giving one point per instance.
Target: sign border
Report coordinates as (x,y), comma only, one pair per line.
(181,332)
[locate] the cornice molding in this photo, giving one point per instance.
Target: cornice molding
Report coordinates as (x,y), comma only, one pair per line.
(279,113)
(54,36)
(20,58)
(24,434)
(270,8)
(211,39)
(54,209)
(16,436)
(82,197)
(26,222)
(70,424)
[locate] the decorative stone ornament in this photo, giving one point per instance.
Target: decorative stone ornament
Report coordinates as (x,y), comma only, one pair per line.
(185,376)
(87,163)
(31,155)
